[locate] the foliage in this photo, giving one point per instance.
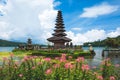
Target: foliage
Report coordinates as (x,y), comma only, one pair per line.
(40,68)
(110,42)
(57,53)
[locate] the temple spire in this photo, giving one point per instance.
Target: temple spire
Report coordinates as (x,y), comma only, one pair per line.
(59,34)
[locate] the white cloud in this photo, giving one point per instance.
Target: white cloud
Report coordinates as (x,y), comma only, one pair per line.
(1,10)
(76,29)
(25,18)
(77,38)
(5,8)
(95,34)
(114,33)
(57,3)
(91,35)
(98,10)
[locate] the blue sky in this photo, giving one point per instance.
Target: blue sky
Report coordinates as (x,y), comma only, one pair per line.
(85,20)
(75,8)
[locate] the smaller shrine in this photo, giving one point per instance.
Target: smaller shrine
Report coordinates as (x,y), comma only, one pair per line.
(29,46)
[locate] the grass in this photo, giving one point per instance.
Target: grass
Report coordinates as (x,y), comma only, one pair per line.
(17,54)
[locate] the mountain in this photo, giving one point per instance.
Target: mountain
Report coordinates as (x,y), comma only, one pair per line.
(4,43)
(111,42)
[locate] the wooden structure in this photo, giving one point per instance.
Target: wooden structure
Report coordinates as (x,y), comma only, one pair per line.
(111,53)
(59,38)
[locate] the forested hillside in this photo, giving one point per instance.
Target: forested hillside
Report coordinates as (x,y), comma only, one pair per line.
(111,42)
(9,43)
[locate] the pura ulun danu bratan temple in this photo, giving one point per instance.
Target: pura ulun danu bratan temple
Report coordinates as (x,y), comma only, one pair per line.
(59,36)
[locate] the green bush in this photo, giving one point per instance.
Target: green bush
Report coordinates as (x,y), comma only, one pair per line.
(47,54)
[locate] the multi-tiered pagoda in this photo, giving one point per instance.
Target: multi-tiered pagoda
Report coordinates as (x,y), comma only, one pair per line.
(59,38)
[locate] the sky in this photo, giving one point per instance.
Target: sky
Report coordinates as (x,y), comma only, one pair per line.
(85,20)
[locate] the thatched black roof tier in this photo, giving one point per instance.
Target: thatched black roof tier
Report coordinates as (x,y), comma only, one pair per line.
(59,34)
(59,39)
(60,29)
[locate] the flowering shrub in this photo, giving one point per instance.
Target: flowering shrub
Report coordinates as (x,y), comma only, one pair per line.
(60,68)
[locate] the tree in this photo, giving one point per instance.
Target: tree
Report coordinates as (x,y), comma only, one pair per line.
(111,42)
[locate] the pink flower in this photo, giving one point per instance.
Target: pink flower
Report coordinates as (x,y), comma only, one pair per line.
(108,59)
(100,77)
(112,78)
(30,58)
(70,57)
(56,65)
(68,65)
(63,58)
(63,55)
(33,67)
(47,59)
(20,75)
(85,67)
(117,65)
(16,62)
(80,59)
(5,58)
(48,71)
(34,56)
(11,54)
(26,58)
(57,58)
(39,63)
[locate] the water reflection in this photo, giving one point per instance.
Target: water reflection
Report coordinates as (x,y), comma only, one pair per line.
(6,49)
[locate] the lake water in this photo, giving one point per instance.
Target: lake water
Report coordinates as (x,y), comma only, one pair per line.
(6,49)
(98,57)
(93,61)
(96,60)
